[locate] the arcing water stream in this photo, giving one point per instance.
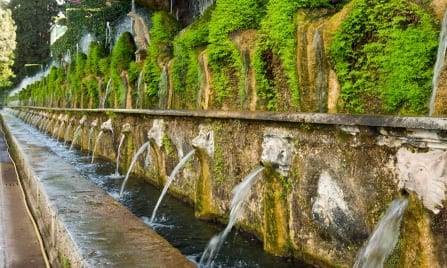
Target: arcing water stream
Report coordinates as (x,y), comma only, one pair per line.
(132,164)
(177,222)
(384,238)
(118,153)
(240,193)
(170,180)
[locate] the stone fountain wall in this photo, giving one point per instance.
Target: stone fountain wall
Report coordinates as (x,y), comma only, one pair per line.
(328,179)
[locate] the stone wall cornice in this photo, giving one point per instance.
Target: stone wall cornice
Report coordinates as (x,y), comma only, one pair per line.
(425,123)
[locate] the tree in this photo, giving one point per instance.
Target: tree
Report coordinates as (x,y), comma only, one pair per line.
(7,47)
(33,20)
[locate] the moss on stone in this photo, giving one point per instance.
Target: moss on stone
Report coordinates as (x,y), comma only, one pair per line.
(417,240)
(167,145)
(276,233)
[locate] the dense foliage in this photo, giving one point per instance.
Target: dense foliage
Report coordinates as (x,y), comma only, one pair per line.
(33,21)
(163,30)
(185,70)
(89,18)
(7,45)
(224,57)
(122,56)
(383,55)
(277,36)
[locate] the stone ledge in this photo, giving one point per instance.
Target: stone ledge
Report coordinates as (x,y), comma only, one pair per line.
(426,123)
(82,225)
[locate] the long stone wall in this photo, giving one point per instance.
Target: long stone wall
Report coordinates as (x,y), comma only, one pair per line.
(327,182)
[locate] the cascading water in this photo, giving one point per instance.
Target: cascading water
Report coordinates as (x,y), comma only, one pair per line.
(133,6)
(138,102)
(108,36)
(439,63)
(201,5)
(76,136)
(90,133)
(384,238)
(147,160)
(56,128)
(61,129)
(163,87)
(240,194)
(105,127)
(30,80)
(117,173)
(41,122)
(170,180)
(98,138)
(67,132)
(78,131)
(85,41)
(132,164)
(106,93)
(120,27)
(67,56)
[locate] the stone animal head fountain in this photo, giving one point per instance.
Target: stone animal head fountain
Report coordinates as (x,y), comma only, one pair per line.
(83,120)
(155,134)
(205,140)
(277,152)
(424,174)
(107,126)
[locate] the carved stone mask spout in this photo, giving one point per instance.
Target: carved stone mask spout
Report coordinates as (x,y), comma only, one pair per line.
(276,153)
(83,120)
(155,134)
(107,126)
(205,140)
(126,128)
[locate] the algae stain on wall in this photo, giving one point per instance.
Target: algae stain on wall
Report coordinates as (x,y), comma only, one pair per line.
(204,144)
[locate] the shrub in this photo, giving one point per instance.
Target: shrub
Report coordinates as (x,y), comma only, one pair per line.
(123,54)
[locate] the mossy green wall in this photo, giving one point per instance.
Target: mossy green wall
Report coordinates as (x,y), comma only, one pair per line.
(367,57)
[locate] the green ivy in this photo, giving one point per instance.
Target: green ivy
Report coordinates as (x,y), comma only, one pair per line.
(89,18)
(277,42)
(224,57)
(123,54)
(185,69)
(278,33)
(383,55)
(164,27)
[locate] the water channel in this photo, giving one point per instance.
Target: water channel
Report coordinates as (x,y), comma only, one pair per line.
(175,220)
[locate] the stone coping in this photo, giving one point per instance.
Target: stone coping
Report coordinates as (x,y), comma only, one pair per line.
(82,225)
(427,123)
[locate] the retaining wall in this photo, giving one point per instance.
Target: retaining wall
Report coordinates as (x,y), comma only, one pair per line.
(327,182)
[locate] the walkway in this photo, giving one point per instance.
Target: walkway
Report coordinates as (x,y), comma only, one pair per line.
(19,245)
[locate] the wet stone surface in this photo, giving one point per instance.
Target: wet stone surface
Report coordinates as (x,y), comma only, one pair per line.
(84,224)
